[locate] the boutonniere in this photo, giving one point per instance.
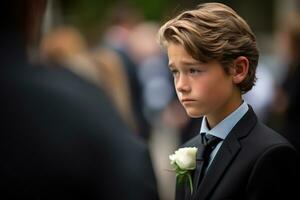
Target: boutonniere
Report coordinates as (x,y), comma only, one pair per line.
(183,162)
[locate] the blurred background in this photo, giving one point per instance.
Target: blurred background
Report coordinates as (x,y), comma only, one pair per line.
(113,45)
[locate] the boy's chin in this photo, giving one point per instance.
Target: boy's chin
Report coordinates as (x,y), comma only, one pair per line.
(194,114)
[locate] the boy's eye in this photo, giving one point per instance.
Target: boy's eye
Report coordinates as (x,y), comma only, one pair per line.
(174,72)
(194,71)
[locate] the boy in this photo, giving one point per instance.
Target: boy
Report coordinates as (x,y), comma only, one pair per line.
(213,57)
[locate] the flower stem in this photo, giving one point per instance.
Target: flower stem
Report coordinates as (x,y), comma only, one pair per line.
(190,182)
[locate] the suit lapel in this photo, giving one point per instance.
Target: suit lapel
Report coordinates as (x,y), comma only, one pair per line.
(226,154)
(222,160)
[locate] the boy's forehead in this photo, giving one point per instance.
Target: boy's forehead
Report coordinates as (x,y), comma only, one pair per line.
(177,54)
(177,50)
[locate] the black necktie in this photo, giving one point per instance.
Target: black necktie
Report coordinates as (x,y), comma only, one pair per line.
(202,159)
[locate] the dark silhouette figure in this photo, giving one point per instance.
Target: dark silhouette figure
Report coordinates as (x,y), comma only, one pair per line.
(60,137)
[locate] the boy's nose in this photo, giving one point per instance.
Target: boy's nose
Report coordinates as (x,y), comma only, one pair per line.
(182,84)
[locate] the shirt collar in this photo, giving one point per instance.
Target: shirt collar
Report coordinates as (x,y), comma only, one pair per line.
(222,129)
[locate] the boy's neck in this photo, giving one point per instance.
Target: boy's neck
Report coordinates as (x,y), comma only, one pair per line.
(214,118)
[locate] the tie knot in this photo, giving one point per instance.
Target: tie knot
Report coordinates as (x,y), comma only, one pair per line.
(210,140)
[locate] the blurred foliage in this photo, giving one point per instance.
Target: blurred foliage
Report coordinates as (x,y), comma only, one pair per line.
(86,13)
(91,16)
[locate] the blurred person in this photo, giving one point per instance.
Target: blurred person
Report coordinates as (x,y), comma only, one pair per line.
(155,79)
(213,56)
(286,104)
(122,20)
(60,137)
(65,46)
(115,83)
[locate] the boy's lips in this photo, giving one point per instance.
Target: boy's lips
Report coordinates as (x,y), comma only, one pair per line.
(185,100)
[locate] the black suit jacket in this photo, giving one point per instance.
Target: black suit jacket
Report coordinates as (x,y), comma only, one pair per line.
(253,162)
(61,138)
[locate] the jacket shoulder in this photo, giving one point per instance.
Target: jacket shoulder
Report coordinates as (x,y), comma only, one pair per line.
(269,136)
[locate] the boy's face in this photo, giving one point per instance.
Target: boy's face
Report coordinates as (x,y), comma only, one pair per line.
(202,88)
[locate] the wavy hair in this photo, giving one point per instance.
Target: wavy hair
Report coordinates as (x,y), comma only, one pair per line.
(214,31)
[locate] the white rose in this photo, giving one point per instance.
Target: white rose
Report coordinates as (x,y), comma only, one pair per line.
(184,158)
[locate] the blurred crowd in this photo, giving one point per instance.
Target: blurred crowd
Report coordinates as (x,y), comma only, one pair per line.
(129,65)
(132,69)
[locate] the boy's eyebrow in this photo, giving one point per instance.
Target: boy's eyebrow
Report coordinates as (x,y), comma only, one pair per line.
(185,63)
(190,62)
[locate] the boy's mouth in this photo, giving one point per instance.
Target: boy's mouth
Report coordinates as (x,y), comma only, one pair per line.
(186,100)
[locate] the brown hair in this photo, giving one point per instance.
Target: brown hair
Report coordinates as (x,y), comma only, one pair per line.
(213,31)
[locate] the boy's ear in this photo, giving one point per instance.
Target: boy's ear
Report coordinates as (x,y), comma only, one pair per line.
(240,69)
